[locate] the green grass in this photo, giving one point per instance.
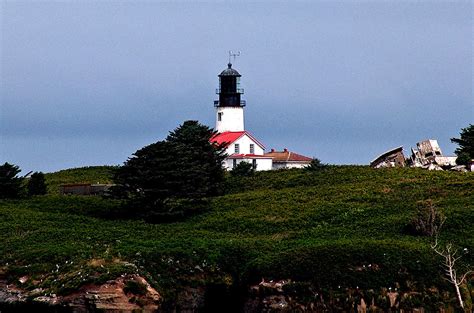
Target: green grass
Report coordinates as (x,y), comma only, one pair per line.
(325,228)
(91,175)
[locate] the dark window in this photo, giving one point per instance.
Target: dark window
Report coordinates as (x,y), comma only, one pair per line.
(234,163)
(428,154)
(254,164)
(237,148)
(219,116)
(252,148)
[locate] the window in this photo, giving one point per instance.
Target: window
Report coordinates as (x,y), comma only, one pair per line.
(237,148)
(252,148)
(234,163)
(219,116)
(254,164)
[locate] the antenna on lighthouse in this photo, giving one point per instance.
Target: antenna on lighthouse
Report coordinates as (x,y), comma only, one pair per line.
(231,54)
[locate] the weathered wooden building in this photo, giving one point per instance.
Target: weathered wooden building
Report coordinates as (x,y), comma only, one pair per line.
(429,152)
(84,189)
(391,158)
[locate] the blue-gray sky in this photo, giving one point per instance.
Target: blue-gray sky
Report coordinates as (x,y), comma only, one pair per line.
(88,83)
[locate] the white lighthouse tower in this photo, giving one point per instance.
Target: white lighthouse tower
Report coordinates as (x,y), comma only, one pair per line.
(240,145)
(229,107)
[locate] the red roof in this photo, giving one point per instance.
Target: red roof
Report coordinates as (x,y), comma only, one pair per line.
(287,156)
(230,137)
(248,156)
(227,137)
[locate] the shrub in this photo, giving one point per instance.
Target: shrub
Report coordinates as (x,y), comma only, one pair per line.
(315,165)
(243,169)
(134,287)
(176,209)
(37,184)
(428,220)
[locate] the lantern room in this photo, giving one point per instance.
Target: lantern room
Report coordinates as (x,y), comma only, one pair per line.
(229,90)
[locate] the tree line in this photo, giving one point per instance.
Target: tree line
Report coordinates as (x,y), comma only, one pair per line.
(175,177)
(14,186)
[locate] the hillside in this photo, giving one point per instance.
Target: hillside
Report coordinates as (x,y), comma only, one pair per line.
(334,231)
(90,174)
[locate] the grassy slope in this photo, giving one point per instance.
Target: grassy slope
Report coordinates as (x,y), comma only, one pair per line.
(91,174)
(322,227)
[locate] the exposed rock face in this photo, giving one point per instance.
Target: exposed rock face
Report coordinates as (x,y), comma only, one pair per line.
(132,293)
(10,294)
(113,296)
(280,296)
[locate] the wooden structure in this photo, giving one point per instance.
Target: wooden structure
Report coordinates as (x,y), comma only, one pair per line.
(391,158)
(84,189)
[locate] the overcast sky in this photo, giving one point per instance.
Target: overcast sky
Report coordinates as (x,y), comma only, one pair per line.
(88,82)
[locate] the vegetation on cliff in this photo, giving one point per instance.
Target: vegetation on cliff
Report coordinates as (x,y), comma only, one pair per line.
(344,227)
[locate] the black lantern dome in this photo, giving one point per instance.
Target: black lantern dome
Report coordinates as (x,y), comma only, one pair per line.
(229,71)
(229,89)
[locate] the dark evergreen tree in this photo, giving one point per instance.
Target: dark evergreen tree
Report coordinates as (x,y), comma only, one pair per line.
(145,178)
(37,184)
(463,159)
(466,144)
(198,162)
(174,176)
(11,186)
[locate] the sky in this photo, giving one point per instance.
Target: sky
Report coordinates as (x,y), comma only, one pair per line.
(89,82)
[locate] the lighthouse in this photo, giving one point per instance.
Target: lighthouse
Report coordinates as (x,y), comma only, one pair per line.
(240,145)
(230,106)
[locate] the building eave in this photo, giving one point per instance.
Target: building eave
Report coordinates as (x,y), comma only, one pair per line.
(248,156)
